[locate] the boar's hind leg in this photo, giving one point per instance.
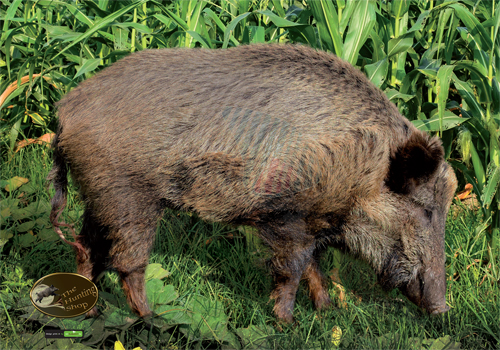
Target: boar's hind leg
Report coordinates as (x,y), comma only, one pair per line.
(317,283)
(130,256)
(93,238)
(293,250)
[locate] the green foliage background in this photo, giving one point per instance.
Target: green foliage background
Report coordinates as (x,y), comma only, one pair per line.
(439,61)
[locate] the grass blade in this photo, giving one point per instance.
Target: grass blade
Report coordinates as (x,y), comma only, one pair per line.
(100,24)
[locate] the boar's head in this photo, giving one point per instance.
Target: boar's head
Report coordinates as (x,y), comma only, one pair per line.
(402,233)
(424,185)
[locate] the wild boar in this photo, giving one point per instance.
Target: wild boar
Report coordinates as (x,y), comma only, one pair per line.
(292,141)
(47,292)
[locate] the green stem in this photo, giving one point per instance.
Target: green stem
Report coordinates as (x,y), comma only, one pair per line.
(144,40)
(394,63)
(132,44)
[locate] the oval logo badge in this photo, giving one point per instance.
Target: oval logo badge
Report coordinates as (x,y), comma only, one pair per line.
(64,294)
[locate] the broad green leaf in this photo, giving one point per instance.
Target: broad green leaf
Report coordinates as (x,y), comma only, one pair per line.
(88,66)
(26,240)
(159,294)
(492,184)
(196,22)
(442,90)
(479,76)
(481,58)
(360,27)
(468,95)
(210,14)
(449,121)
(450,39)
(180,22)
(48,235)
(394,94)
(26,226)
(164,19)
(254,34)
(399,44)
(209,319)
(346,16)
(495,94)
(278,21)
(328,26)
(443,18)
(443,343)
(199,39)
(4,213)
(419,23)
(120,38)
(155,271)
(399,7)
(15,182)
(141,28)
(378,46)
(377,72)
(231,27)
(306,35)
(472,23)
(429,67)
(497,25)
(173,315)
(254,337)
(279,9)
(478,167)
(119,319)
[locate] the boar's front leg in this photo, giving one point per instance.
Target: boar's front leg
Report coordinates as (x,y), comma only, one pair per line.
(293,248)
(317,283)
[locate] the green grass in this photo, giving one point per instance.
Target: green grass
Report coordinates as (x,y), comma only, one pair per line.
(217,267)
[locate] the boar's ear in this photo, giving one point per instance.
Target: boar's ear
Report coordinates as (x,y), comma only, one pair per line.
(413,162)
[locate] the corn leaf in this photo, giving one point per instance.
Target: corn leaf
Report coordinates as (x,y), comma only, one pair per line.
(103,22)
(475,28)
(492,185)
(328,25)
(377,72)
(442,90)
(449,121)
(468,95)
(362,22)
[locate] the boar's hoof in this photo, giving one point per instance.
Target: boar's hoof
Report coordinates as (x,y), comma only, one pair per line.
(440,310)
(92,313)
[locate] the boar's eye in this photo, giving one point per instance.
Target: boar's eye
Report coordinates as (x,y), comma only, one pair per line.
(428,213)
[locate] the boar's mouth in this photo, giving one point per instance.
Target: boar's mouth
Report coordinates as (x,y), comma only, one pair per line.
(429,296)
(426,288)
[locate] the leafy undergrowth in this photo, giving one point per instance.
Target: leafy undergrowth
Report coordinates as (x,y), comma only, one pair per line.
(209,287)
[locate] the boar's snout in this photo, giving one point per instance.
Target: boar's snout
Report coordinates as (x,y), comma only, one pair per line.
(428,291)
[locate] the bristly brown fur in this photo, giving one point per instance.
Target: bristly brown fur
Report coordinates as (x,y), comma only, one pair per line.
(293,141)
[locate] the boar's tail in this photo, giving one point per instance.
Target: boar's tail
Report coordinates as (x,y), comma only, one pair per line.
(58,176)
